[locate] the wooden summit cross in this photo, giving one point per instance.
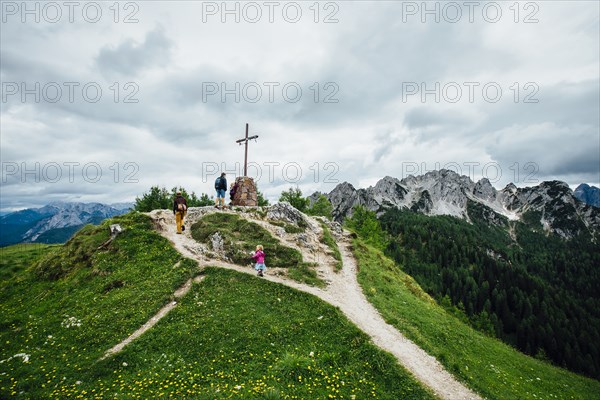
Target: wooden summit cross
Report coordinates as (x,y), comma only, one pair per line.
(245,141)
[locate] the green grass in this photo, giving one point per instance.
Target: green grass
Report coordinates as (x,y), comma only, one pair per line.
(237,336)
(232,336)
(78,253)
(14,259)
(69,307)
(241,237)
(331,243)
(487,365)
(305,272)
(289,228)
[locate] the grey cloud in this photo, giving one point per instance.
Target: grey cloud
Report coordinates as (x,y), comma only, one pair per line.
(553,150)
(128,58)
(559,133)
(563,103)
(426,116)
(385,142)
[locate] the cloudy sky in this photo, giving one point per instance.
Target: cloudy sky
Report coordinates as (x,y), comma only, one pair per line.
(102,100)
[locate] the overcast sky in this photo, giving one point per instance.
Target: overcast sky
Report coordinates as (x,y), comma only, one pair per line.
(102,100)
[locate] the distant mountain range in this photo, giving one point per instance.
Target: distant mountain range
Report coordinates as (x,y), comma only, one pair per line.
(588,194)
(54,223)
(444,192)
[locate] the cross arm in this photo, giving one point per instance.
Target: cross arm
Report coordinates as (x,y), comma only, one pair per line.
(240,141)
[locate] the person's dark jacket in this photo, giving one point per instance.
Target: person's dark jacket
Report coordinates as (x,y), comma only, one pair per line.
(179,199)
(221,183)
(233,190)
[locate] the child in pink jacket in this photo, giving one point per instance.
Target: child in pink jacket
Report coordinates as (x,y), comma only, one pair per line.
(259,257)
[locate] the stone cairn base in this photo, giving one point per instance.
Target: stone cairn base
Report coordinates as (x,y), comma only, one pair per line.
(245,194)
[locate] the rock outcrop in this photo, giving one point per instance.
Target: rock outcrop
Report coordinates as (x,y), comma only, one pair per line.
(285,212)
(246,194)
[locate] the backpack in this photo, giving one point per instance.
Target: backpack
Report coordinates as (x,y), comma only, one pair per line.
(219,183)
(180,204)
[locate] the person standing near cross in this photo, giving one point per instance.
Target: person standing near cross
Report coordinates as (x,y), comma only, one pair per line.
(221,188)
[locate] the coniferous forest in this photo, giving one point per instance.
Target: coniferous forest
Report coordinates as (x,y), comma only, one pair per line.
(534,290)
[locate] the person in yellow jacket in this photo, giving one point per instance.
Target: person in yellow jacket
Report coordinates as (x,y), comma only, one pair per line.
(180,210)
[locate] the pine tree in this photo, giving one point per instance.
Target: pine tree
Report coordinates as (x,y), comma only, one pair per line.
(294,197)
(321,207)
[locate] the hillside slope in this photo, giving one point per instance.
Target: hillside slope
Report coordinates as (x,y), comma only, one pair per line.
(230,336)
(492,368)
(536,292)
(341,291)
(233,335)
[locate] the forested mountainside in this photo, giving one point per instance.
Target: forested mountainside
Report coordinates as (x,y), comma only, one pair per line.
(535,291)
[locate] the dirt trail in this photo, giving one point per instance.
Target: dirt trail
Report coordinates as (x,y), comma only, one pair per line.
(343,291)
(179,293)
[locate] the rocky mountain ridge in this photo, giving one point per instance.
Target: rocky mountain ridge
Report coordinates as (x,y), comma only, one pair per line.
(445,192)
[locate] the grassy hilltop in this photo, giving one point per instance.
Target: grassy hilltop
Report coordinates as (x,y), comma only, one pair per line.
(233,335)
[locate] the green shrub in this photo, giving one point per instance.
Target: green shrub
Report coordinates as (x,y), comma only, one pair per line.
(367,226)
(321,207)
(294,197)
(289,228)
